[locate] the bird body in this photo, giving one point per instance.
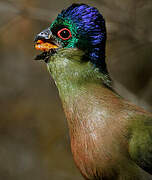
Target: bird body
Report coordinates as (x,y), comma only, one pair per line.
(111,139)
(101,123)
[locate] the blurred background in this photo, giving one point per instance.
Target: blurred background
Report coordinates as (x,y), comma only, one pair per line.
(34,141)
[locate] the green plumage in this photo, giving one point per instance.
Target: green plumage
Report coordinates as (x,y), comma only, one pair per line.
(69,69)
(60,22)
(140,145)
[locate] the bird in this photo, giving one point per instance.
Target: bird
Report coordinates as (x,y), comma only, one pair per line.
(111,138)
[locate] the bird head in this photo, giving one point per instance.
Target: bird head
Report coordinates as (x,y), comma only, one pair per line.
(74,41)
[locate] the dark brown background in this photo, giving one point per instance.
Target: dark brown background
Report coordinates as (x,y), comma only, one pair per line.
(34,142)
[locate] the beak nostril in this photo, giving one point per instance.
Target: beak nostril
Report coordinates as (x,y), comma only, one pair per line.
(44,34)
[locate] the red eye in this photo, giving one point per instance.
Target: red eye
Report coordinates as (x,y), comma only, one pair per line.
(64,34)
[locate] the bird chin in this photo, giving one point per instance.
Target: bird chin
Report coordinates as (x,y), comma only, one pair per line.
(45,56)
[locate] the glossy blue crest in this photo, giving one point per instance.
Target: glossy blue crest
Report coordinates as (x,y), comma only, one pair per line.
(91,31)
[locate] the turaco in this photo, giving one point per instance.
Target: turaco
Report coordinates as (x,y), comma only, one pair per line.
(111,138)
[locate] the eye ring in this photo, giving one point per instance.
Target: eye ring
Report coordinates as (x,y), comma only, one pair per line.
(64,38)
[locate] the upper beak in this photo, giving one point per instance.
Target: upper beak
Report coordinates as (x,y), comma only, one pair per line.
(44,35)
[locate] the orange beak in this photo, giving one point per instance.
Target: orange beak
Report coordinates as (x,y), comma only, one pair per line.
(44,46)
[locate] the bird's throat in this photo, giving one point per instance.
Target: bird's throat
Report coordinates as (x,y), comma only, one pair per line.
(72,84)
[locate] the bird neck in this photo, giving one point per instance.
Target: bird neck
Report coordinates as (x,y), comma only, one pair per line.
(71,84)
(77,80)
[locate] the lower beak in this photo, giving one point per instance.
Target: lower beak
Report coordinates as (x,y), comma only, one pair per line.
(45,41)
